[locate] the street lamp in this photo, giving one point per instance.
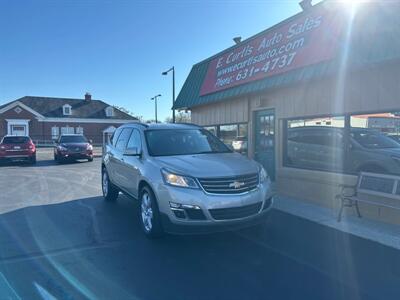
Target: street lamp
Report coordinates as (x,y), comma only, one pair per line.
(173,90)
(155,102)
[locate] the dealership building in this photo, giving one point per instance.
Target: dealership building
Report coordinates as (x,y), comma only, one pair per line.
(315,99)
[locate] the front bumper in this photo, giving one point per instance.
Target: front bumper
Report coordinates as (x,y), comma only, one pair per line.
(215,212)
(17,157)
(76,155)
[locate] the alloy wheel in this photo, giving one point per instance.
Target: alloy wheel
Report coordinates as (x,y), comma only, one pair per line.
(105,183)
(146,212)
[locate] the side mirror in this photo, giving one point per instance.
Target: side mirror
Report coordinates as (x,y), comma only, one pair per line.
(132,152)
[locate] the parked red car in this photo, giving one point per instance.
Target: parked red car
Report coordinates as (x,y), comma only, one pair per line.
(17,148)
(71,147)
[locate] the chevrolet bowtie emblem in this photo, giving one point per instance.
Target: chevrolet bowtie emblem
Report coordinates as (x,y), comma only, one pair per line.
(236,184)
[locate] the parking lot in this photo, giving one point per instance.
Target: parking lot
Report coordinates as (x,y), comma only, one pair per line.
(59,238)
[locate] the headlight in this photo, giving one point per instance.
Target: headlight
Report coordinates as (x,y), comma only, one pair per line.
(179,180)
(89,147)
(263,175)
(62,148)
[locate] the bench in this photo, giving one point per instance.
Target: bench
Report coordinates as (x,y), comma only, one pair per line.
(373,189)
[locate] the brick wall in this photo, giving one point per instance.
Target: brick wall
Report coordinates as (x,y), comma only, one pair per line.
(41,133)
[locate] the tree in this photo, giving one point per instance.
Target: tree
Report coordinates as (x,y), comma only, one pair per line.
(180,117)
(123,109)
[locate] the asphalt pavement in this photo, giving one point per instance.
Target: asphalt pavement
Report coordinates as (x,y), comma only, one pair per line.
(60,240)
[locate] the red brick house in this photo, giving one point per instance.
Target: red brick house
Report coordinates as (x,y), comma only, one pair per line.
(45,118)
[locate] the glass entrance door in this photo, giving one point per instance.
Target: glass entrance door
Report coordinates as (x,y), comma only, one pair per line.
(265,140)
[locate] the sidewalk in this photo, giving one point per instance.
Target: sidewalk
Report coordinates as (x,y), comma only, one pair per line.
(386,234)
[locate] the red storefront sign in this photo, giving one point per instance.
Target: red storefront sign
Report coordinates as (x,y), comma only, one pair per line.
(309,39)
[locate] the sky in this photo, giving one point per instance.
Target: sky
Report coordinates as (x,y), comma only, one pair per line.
(116,50)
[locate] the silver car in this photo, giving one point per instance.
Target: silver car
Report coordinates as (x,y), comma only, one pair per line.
(185,178)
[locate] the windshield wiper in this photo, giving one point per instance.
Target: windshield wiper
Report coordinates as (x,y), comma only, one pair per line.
(210,152)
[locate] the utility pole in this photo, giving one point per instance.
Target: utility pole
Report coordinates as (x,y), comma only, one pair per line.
(155,103)
(173,90)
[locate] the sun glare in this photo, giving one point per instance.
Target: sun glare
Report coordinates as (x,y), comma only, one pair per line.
(351,3)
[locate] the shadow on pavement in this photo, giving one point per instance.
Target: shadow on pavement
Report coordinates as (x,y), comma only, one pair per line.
(41,163)
(94,249)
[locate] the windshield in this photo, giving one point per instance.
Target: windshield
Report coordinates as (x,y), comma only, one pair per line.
(183,142)
(73,139)
(374,140)
(15,140)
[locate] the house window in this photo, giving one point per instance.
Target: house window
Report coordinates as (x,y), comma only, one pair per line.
(67,110)
(110,111)
(79,130)
(55,131)
(67,130)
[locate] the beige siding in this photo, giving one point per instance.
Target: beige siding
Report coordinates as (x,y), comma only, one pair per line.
(226,112)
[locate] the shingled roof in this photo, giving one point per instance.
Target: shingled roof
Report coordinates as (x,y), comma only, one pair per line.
(53,108)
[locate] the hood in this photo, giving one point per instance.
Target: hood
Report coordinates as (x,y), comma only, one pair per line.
(387,151)
(209,165)
(74,144)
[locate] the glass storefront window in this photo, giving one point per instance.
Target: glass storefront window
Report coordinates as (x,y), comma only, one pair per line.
(227,133)
(369,143)
(233,135)
(375,143)
(212,129)
(316,143)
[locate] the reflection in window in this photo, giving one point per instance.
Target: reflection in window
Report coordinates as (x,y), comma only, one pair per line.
(385,123)
(212,129)
(227,133)
(235,136)
(316,143)
(370,143)
(375,142)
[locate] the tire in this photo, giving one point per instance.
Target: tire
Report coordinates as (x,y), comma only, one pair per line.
(149,214)
(32,160)
(57,159)
(110,191)
(90,159)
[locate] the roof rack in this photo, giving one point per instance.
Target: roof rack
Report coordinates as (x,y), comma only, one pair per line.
(138,123)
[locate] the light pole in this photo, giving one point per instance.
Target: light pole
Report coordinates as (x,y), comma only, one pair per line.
(155,102)
(173,90)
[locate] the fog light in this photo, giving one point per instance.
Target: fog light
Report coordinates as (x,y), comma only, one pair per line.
(180,214)
(183,206)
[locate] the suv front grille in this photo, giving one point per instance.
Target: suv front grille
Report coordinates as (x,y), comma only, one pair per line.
(76,148)
(235,212)
(230,185)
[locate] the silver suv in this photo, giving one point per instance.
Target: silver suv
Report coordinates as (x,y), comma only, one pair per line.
(185,178)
